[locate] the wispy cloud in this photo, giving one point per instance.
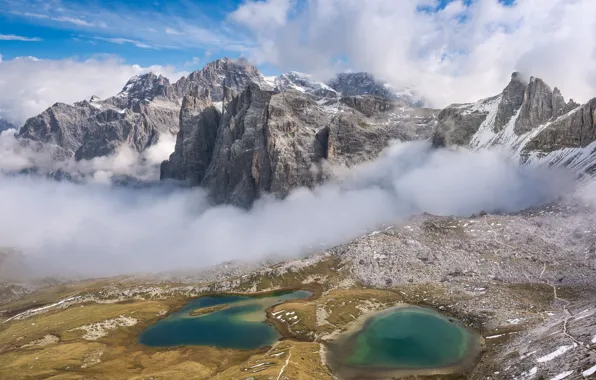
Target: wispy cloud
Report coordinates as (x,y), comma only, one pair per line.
(173,32)
(122,41)
(193,62)
(64,19)
(12,37)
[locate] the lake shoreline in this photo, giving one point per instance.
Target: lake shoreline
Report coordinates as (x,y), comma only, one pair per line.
(334,357)
(220,316)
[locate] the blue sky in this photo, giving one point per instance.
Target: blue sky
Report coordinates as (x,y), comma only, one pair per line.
(184,33)
(141,32)
(446,50)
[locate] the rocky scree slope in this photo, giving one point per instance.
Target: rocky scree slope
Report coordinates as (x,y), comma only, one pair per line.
(272,141)
(530,119)
(149,105)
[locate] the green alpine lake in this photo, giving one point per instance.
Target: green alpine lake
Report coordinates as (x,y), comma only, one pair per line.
(403,340)
(223,321)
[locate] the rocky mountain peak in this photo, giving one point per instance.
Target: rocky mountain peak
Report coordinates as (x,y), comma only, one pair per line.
(146,86)
(529,119)
(511,100)
(516,76)
(233,65)
(224,72)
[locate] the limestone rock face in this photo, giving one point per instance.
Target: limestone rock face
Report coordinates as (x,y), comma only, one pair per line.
(369,105)
(576,130)
(271,142)
(265,144)
(511,101)
(199,121)
(537,106)
(458,123)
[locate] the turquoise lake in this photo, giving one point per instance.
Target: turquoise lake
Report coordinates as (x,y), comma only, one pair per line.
(403,339)
(240,324)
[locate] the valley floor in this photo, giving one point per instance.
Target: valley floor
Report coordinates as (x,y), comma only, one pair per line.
(526,282)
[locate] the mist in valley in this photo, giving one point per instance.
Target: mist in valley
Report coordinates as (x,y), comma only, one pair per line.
(95,228)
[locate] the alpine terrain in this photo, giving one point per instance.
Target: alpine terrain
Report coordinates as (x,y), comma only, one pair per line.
(523,281)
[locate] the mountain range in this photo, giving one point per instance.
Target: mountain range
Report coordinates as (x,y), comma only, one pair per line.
(241,134)
(529,119)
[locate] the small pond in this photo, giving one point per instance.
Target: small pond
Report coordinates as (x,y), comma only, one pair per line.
(403,341)
(223,321)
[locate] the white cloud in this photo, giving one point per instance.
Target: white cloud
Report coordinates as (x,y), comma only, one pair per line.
(12,37)
(29,85)
(95,229)
(193,62)
(262,15)
(173,32)
(461,53)
(16,156)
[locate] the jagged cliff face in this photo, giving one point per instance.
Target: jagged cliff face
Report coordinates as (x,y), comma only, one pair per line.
(199,121)
(270,142)
(528,118)
(147,107)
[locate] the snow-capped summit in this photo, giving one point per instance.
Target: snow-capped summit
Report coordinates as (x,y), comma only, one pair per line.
(146,86)
(301,82)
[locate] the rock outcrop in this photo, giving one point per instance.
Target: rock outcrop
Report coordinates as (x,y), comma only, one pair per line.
(199,121)
(270,142)
(528,118)
(577,129)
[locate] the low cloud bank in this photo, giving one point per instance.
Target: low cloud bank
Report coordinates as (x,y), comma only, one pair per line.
(21,155)
(95,229)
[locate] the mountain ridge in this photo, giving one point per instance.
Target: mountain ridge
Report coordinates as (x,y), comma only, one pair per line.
(529,119)
(148,106)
